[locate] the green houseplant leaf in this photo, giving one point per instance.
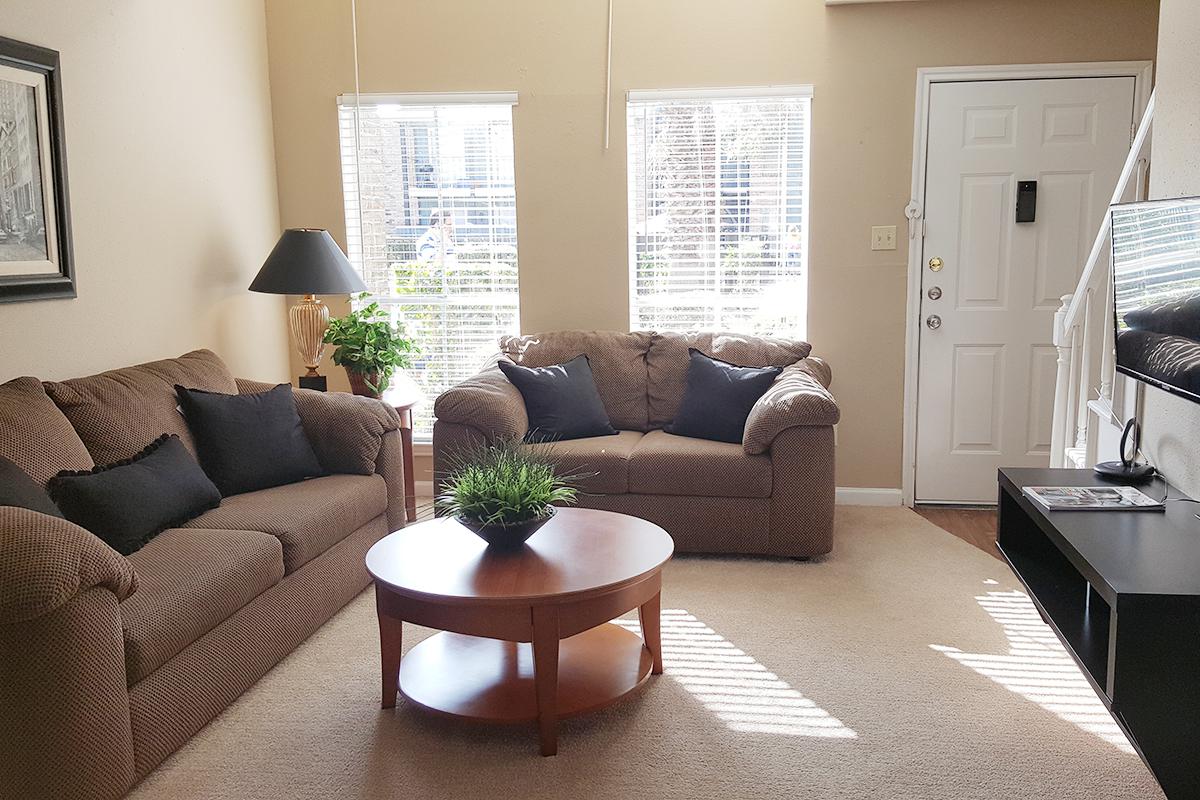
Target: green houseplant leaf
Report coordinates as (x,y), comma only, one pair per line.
(505,483)
(367,341)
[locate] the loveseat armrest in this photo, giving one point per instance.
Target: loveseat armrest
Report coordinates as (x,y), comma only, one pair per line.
(345,430)
(46,561)
(487,402)
(798,397)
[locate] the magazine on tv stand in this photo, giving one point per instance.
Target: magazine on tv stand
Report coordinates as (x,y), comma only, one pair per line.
(1092,498)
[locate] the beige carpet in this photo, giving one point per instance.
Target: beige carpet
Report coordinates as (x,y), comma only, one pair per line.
(906,665)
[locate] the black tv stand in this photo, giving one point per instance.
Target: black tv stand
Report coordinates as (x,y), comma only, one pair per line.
(1121,589)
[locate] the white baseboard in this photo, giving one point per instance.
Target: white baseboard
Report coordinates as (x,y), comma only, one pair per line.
(856,496)
(424,488)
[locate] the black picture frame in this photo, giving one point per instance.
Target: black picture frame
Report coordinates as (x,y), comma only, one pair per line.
(46,285)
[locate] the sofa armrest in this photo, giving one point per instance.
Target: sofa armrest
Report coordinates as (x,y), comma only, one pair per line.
(797,398)
(346,430)
(487,402)
(46,561)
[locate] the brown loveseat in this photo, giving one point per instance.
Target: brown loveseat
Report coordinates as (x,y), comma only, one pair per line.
(772,494)
(108,664)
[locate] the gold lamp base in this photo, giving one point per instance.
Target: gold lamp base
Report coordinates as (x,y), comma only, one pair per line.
(308,319)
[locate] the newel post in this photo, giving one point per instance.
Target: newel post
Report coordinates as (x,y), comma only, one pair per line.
(1062,385)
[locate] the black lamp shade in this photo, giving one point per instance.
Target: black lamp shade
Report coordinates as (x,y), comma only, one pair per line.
(307,261)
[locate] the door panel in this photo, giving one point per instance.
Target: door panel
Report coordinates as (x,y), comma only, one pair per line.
(978,382)
(985,388)
(983,240)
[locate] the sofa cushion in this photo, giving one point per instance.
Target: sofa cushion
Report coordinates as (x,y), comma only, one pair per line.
(718,398)
(307,517)
(667,363)
(19,490)
(249,441)
(115,413)
(618,362)
(128,503)
(37,437)
(663,463)
(561,400)
(190,581)
(603,459)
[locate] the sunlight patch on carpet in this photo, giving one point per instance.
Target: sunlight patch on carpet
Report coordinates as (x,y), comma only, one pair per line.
(741,692)
(1038,667)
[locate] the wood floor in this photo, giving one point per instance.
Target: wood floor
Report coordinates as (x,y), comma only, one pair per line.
(974,525)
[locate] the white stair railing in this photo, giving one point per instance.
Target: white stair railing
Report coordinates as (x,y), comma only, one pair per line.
(1083,329)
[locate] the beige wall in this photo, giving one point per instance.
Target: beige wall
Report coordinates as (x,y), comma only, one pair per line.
(1172,425)
(571,194)
(172,181)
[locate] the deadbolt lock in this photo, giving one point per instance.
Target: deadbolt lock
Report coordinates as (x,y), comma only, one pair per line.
(936,264)
(934,293)
(934,322)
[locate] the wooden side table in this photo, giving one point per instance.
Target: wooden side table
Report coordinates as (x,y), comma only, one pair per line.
(404,394)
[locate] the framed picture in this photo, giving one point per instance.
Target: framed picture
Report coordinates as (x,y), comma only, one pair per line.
(35,227)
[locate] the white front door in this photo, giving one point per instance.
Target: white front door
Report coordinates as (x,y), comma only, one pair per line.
(990,285)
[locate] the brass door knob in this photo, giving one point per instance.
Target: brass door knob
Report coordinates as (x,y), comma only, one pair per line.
(933,321)
(936,264)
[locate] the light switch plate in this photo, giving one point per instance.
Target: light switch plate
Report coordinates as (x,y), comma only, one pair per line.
(883,237)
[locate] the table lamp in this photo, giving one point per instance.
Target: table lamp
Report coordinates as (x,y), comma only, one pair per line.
(308,262)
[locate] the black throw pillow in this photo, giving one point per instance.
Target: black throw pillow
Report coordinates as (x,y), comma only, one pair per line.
(561,400)
(248,442)
(130,502)
(718,397)
(20,490)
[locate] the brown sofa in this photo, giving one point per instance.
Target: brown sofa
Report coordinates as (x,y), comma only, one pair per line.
(108,664)
(770,495)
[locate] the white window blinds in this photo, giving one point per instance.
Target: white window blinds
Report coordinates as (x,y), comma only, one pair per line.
(431,225)
(718,201)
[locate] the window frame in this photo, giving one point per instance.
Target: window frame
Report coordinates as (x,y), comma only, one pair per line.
(804,92)
(352,205)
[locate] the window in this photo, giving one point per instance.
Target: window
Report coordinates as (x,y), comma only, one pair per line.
(718,206)
(431,225)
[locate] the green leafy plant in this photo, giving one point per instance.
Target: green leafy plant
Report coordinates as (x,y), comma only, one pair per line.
(505,483)
(370,344)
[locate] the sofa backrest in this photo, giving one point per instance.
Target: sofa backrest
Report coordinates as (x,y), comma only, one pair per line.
(667,363)
(618,362)
(35,435)
(641,375)
(117,413)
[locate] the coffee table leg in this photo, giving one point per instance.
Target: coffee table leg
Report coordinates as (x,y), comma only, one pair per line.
(650,617)
(390,637)
(545,675)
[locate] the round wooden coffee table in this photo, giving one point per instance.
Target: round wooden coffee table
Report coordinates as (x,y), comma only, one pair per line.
(526,633)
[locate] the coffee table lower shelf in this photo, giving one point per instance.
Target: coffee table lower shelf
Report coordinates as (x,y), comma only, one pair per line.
(489,680)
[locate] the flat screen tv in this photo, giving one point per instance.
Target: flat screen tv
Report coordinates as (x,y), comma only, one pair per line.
(1156,293)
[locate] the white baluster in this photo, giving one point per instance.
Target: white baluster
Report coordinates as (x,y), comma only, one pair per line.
(1062,379)
(1084,387)
(1108,355)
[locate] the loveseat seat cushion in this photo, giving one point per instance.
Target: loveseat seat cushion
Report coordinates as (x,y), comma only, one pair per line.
(190,581)
(38,438)
(603,461)
(307,517)
(663,463)
(618,362)
(117,413)
(667,363)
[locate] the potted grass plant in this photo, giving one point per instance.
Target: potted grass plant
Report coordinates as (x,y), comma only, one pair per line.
(504,491)
(370,347)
